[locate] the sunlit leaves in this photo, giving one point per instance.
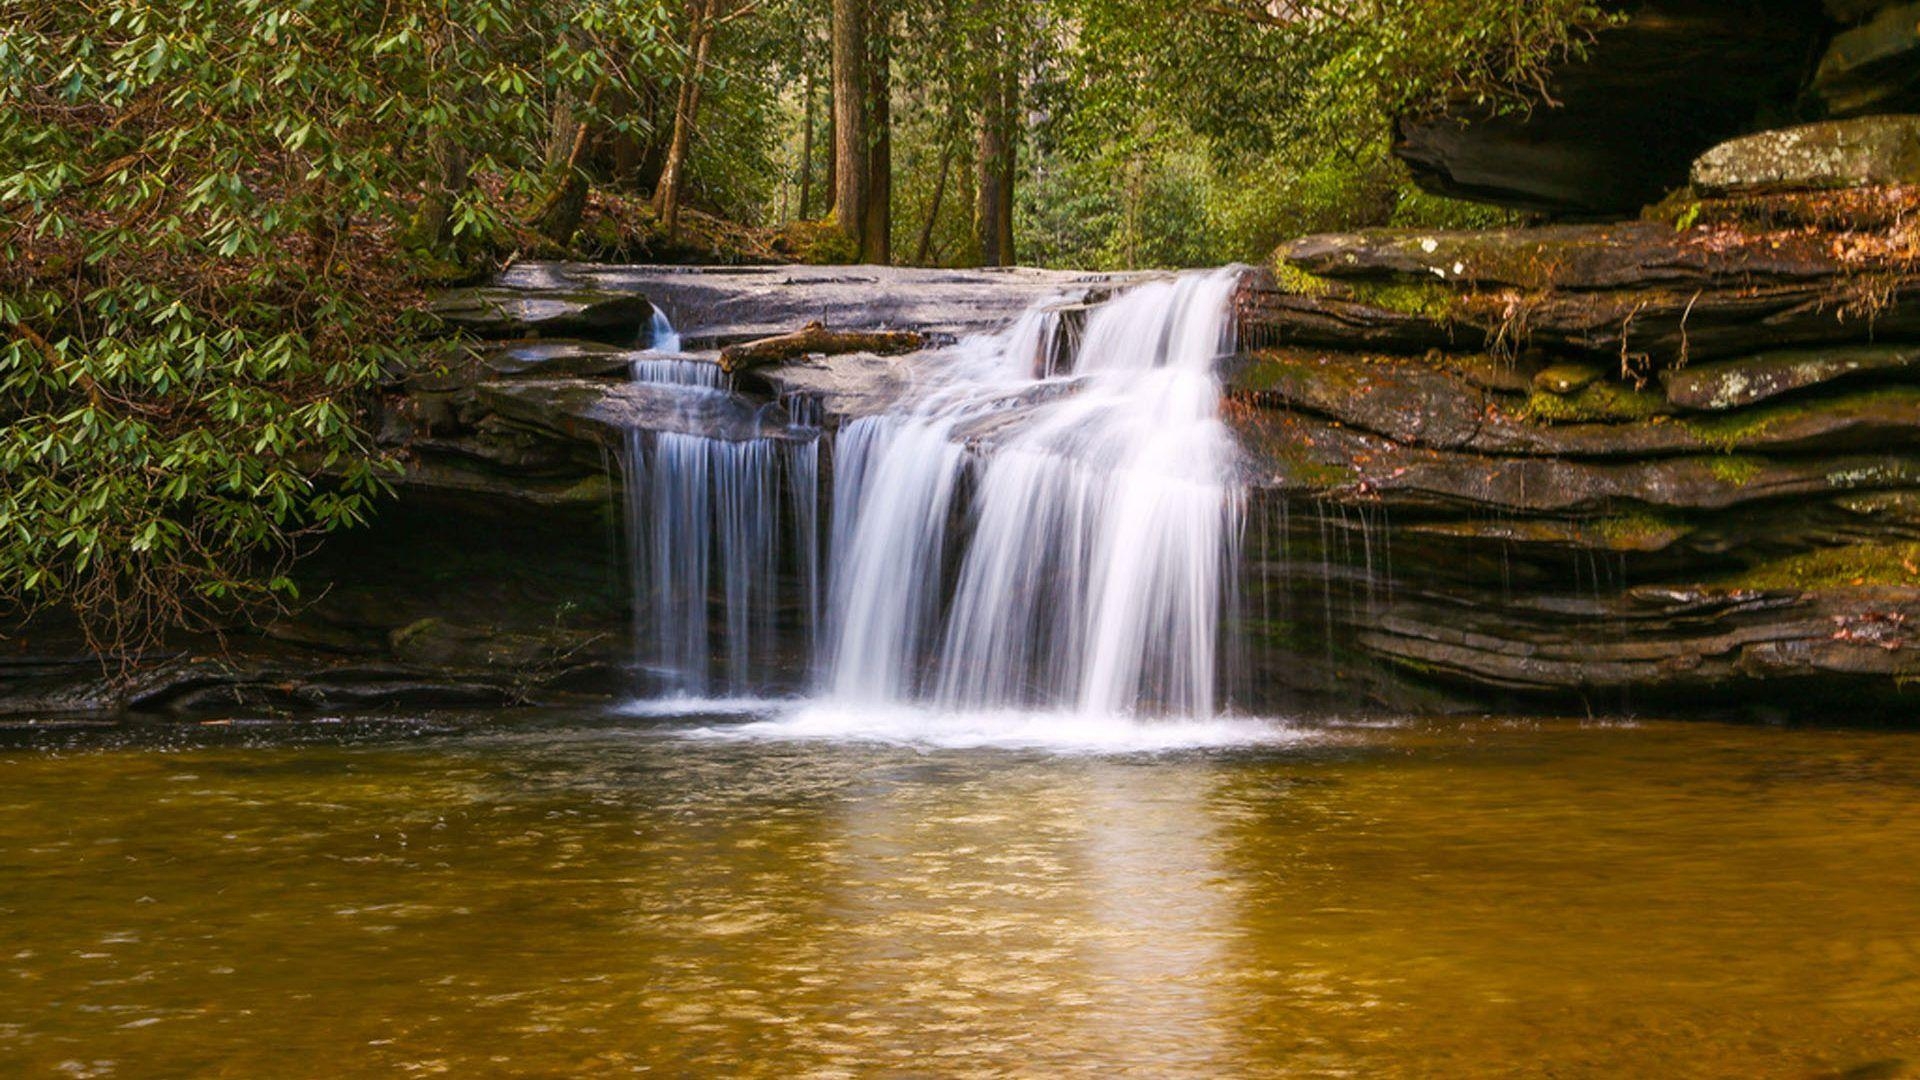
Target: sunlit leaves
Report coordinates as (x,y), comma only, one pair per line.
(200,282)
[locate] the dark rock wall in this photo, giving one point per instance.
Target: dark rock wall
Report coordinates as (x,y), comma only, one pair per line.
(1677,77)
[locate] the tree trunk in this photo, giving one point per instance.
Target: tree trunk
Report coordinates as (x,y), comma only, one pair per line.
(851,139)
(560,130)
(876,232)
(939,194)
(993,218)
(625,152)
(666,194)
(433,217)
(559,216)
(832,185)
(806,152)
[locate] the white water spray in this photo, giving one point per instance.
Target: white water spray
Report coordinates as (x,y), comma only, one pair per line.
(1103,521)
(1049,522)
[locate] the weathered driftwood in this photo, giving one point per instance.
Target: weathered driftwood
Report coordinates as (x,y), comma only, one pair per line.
(816,338)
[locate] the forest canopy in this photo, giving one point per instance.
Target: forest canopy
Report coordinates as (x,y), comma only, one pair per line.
(218,216)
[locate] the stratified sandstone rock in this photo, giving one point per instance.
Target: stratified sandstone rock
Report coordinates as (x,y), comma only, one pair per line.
(1623,466)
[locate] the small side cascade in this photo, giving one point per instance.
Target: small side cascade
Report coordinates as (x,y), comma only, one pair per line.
(661,336)
(722,542)
(661,361)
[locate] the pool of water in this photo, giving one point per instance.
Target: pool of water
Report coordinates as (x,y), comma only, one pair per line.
(803,895)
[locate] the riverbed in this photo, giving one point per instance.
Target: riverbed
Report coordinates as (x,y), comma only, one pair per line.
(780,894)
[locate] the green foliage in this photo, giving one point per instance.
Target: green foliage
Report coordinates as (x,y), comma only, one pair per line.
(200,282)
(215,214)
(1201,135)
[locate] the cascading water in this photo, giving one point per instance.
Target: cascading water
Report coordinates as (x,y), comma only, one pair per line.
(661,336)
(662,361)
(705,531)
(1104,519)
(707,528)
(1048,523)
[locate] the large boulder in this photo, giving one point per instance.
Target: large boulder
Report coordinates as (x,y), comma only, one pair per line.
(1869,151)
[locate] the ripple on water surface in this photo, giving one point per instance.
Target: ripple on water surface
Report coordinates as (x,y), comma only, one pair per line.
(802,892)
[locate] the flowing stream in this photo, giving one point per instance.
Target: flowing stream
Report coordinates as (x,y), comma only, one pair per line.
(1046,522)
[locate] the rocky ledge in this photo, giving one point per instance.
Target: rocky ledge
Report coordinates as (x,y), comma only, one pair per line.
(1665,462)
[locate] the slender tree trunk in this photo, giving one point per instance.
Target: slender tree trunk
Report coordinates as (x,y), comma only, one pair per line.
(876,233)
(625,151)
(832,186)
(851,138)
(433,218)
(560,130)
(559,216)
(666,194)
(993,218)
(806,152)
(939,194)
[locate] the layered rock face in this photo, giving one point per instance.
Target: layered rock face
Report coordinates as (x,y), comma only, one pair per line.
(1656,462)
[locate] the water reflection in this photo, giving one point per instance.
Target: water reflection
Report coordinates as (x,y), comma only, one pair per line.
(557,897)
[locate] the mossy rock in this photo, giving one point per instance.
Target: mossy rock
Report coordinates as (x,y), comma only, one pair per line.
(1567,379)
(816,243)
(1853,565)
(1599,402)
(1830,154)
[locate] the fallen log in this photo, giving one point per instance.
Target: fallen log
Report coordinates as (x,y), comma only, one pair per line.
(816,338)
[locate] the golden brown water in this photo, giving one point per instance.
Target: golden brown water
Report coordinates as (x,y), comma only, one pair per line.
(553,896)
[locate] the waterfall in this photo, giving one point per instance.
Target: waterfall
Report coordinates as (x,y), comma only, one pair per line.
(706,535)
(717,527)
(663,362)
(1103,519)
(1049,521)
(661,336)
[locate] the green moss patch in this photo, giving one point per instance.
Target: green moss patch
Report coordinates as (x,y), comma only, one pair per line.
(1598,403)
(1434,302)
(1290,278)
(1734,469)
(1858,564)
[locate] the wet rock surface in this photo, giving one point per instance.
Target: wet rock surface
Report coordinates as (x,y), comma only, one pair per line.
(716,306)
(557,311)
